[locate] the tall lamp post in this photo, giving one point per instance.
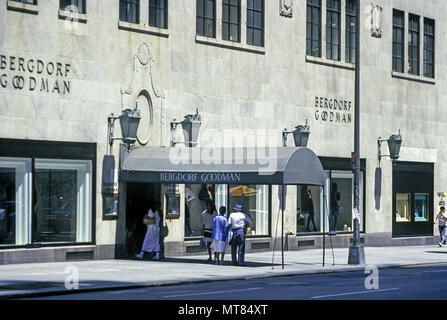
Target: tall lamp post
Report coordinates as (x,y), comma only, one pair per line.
(356,250)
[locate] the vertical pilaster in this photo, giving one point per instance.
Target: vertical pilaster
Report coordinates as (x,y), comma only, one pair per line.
(219,19)
(323,28)
(406,24)
(244,21)
(342,30)
(144,12)
(421,46)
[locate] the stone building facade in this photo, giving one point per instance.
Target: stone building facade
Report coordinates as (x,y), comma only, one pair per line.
(65,70)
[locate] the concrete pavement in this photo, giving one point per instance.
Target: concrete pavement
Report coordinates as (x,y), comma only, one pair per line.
(39,279)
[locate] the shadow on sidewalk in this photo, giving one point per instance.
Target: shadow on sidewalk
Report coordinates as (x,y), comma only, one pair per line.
(441,252)
(249,264)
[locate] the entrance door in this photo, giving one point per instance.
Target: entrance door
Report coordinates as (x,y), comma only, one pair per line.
(140,198)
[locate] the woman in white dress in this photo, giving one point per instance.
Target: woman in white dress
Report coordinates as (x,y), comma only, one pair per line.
(151,241)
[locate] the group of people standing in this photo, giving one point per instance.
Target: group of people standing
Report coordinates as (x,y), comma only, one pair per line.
(220,231)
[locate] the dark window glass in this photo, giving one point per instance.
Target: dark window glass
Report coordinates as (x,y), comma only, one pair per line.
(313,28)
(7,206)
(429,48)
(56,205)
(413,45)
(351,7)
(231,20)
(158,13)
(206,18)
(77,6)
(333,30)
(130,11)
(398,41)
(255,22)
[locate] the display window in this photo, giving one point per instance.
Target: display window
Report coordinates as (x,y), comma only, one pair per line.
(329,208)
(255,201)
(46,193)
(62,211)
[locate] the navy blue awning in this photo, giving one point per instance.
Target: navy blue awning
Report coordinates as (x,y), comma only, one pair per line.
(275,166)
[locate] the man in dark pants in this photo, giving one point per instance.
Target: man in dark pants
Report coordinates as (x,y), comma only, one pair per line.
(237,224)
(442,218)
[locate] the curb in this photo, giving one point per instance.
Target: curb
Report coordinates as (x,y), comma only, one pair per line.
(196,281)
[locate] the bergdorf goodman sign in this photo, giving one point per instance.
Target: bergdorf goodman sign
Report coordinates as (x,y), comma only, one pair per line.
(33,75)
(333,110)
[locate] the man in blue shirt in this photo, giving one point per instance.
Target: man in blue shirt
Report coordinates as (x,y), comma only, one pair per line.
(237,223)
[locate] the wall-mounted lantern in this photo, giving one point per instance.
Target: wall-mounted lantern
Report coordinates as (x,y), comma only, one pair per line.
(129,121)
(300,135)
(394,144)
(191,127)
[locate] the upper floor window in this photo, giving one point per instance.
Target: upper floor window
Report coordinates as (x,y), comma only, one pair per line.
(313,28)
(158,13)
(333,30)
(398,41)
(413,44)
(429,48)
(77,6)
(255,22)
(130,11)
(351,30)
(206,18)
(231,20)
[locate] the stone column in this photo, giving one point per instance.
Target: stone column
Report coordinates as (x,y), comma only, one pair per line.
(218,19)
(421,46)
(144,12)
(406,24)
(323,28)
(342,30)
(244,21)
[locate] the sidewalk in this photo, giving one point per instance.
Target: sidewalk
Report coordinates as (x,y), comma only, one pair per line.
(37,279)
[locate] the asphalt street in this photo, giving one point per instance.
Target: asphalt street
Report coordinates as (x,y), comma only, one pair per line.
(405,283)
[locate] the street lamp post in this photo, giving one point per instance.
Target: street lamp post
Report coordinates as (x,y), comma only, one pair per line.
(356,250)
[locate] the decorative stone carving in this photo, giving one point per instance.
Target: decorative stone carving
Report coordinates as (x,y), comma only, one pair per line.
(286,8)
(142,92)
(376,20)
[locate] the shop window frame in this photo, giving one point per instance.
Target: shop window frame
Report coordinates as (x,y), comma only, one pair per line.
(404,171)
(54,150)
(341,164)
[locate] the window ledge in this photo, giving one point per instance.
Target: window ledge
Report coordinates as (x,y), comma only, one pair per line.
(330,63)
(411,77)
(229,45)
(143,28)
(72,16)
(22,7)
